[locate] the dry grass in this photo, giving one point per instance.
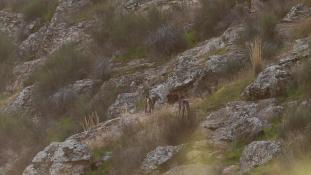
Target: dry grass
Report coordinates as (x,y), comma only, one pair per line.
(90,121)
(302,29)
(255,53)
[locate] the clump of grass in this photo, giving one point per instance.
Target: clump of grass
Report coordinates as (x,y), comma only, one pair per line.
(255,52)
(90,121)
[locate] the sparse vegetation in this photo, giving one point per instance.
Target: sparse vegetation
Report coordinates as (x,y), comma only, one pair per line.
(165,128)
(226,93)
(138,35)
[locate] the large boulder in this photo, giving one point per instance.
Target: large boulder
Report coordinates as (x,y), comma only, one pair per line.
(58,32)
(65,158)
(258,153)
(159,156)
(240,121)
(271,82)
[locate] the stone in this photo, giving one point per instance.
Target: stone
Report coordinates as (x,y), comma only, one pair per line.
(58,32)
(11,24)
(258,153)
(125,103)
(271,82)
(239,121)
(22,103)
(65,158)
(158,157)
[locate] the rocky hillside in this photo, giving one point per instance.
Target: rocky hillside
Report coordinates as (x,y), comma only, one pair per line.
(75,75)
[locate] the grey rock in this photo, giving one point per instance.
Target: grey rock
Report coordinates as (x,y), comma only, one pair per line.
(125,103)
(271,82)
(67,94)
(58,32)
(11,24)
(295,12)
(158,157)
(22,103)
(239,121)
(258,153)
(65,158)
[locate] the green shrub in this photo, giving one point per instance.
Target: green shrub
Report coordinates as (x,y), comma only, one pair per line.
(62,129)
(18,130)
(128,32)
(39,9)
(209,15)
(65,66)
(7,57)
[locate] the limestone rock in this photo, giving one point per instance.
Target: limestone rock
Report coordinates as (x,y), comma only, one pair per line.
(272,82)
(125,103)
(11,24)
(258,153)
(66,158)
(159,156)
(22,102)
(239,121)
(58,32)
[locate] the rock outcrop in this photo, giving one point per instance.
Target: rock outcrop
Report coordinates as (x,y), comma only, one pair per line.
(159,156)
(206,61)
(239,121)
(258,153)
(272,82)
(57,32)
(11,24)
(66,158)
(275,80)
(23,101)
